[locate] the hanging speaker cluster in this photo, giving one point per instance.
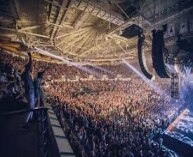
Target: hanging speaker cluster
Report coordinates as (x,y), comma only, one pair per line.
(158,50)
(133,31)
(175,86)
(141,56)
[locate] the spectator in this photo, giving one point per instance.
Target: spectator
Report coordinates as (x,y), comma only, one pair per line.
(160,141)
(29,87)
(105,118)
(38,90)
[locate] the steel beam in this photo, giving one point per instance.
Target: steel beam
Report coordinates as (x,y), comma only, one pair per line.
(34,34)
(173,16)
(29,28)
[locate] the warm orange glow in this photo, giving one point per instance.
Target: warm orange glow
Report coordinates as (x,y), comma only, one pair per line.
(172,125)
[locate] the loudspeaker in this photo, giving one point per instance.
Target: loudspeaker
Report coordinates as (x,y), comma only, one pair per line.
(158,49)
(141,57)
(132,31)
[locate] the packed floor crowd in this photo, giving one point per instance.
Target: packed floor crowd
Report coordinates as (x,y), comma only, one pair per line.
(111,118)
(100,118)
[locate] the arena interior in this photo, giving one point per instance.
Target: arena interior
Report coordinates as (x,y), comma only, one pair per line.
(96,78)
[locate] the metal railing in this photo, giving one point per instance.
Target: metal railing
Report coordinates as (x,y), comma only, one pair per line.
(42,124)
(41,119)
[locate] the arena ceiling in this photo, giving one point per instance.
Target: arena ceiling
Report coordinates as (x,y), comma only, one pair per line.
(82,30)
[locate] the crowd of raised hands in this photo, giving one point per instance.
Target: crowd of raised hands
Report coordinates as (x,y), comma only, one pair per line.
(111,118)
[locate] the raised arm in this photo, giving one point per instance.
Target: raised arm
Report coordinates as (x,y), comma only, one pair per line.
(30,58)
(28,66)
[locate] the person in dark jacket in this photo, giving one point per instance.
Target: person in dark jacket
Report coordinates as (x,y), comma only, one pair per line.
(38,90)
(29,87)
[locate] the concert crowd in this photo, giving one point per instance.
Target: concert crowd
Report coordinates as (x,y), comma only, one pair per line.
(101,118)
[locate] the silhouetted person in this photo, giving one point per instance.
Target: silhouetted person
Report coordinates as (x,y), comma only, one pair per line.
(29,87)
(160,141)
(38,89)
